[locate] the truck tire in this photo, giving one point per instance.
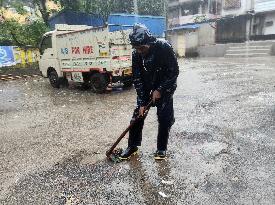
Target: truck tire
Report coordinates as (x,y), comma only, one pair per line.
(54,79)
(99,82)
(64,82)
(127,84)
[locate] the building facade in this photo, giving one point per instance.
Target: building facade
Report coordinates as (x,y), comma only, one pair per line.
(181,12)
(235,24)
(191,23)
(263,24)
(244,20)
(194,23)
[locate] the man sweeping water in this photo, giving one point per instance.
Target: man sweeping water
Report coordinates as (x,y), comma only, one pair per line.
(155,72)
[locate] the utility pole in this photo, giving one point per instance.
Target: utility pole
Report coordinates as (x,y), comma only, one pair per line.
(165,8)
(208,6)
(135,7)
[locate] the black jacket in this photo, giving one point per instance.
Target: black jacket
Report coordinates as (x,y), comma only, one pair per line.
(158,70)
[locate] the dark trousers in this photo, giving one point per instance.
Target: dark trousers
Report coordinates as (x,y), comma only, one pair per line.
(165,113)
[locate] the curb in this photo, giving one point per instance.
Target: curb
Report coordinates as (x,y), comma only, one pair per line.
(10,77)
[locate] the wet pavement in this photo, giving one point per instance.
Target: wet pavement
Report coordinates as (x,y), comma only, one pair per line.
(221,148)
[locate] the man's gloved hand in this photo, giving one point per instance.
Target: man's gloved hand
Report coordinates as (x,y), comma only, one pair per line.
(141,111)
(156,96)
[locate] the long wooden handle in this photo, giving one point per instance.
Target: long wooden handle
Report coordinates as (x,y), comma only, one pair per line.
(147,108)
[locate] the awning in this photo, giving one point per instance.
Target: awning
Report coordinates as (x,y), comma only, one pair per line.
(264,5)
(185,27)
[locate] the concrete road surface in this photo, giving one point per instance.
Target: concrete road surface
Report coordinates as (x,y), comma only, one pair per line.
(221,148)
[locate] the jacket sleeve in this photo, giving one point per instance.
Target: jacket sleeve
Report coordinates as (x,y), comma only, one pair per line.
(137,80)
(169,83)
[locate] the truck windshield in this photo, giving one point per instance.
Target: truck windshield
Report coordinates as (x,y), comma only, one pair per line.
(46,43)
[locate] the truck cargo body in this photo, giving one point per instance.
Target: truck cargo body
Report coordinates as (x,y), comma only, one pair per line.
(87,55)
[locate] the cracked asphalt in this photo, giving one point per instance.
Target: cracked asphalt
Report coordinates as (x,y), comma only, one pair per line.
(221,148)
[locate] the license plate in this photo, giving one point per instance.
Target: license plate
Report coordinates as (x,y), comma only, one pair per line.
(77,77)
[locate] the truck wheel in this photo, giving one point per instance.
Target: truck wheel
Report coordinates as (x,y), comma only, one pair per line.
(54,79)
(86,86)
(127,84)
(99,82)
(64,82)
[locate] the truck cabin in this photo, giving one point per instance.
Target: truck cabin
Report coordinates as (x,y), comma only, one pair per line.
(45,43)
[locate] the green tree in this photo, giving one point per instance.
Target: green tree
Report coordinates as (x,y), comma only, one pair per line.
(106,7)
(19,8)
(75,5)
(16,34)
(36,29)
(88,5)
(145,7)
(41,4)
(99,7)
(123,6)
(151,7)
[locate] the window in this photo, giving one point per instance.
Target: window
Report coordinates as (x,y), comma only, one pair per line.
(231,4)
(215,7)
(269,23)
(172,1)
(190,9)
(173,13)
(46,43)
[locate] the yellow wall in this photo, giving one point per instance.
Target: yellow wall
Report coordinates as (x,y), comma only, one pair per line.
(25,56)
(181,45)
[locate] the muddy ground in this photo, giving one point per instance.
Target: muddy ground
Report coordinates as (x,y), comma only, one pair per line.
(19,71)
(221,148)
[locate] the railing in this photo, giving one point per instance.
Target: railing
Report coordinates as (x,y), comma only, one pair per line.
(191,19)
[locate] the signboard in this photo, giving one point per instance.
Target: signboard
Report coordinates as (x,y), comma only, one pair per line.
(11,55)
(6,56)
(264,5)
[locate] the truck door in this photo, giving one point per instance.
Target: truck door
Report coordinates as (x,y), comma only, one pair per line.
(47,55)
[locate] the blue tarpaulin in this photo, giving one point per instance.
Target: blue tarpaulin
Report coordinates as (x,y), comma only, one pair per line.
(156,24)
(76,18)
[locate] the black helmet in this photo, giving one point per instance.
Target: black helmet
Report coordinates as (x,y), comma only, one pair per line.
(141,36)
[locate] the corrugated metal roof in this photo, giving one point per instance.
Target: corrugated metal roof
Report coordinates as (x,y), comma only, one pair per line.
(135,15)
(185,27)
(264,5)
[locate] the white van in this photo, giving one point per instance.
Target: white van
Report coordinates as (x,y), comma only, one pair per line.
(92,56)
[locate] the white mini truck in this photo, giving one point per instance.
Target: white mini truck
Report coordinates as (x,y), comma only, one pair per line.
(94,57)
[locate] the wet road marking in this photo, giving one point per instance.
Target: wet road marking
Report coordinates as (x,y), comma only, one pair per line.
(10,77)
